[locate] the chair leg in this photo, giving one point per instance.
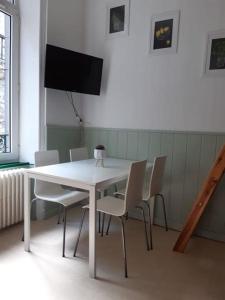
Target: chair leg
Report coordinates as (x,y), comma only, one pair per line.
(109,222)
(124,247)
(103,193)
(150,224)
(103,224)
(164,210)
(80,228)
(145,227)
(99,222)
(59,214)
(64,231)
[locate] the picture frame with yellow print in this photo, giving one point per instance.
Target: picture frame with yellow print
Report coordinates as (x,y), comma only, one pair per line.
(164,32)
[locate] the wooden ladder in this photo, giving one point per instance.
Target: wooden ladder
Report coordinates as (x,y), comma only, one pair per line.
(202,200)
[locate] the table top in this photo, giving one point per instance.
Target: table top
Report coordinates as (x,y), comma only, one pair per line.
(85,171)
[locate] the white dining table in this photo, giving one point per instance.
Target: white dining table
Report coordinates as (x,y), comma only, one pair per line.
(79,174)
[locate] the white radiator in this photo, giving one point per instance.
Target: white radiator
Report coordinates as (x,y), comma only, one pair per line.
(11,197)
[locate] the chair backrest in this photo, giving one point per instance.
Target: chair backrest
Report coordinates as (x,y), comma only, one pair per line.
(78,154)
(134,187)
(46,158)
(156,177)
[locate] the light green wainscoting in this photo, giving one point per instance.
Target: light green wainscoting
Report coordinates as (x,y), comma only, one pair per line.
(189,157)
(63,139)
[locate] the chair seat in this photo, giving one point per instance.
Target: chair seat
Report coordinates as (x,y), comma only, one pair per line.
(121,193)
(110,205)
(63,197)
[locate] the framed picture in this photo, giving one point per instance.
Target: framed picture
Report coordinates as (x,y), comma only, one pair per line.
(118,14)
(164,32)
(215,54)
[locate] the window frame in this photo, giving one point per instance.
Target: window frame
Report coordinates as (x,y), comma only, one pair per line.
(12,10)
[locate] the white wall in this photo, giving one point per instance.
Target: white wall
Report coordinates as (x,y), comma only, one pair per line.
(29,79)
(140,90)
(65,30)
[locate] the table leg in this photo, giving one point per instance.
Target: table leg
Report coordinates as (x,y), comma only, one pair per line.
(92,233)
(27,182)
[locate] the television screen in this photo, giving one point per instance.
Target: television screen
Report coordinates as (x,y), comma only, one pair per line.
(72,71)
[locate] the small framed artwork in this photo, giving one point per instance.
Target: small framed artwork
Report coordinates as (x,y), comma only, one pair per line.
(164,32)
(117,22)
(215,54)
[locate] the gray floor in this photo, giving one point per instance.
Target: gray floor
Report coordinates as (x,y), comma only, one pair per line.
(159,274)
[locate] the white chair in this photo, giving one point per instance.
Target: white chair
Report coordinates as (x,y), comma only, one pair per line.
(117,207)
(154,190)
(81,153)
(78,154)
(54,193)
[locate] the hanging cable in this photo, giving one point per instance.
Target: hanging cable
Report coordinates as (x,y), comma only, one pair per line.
(71,101)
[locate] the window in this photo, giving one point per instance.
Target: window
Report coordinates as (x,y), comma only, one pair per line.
(9,35)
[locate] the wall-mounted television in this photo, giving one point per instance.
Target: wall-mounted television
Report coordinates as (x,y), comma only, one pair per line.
(72,71)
